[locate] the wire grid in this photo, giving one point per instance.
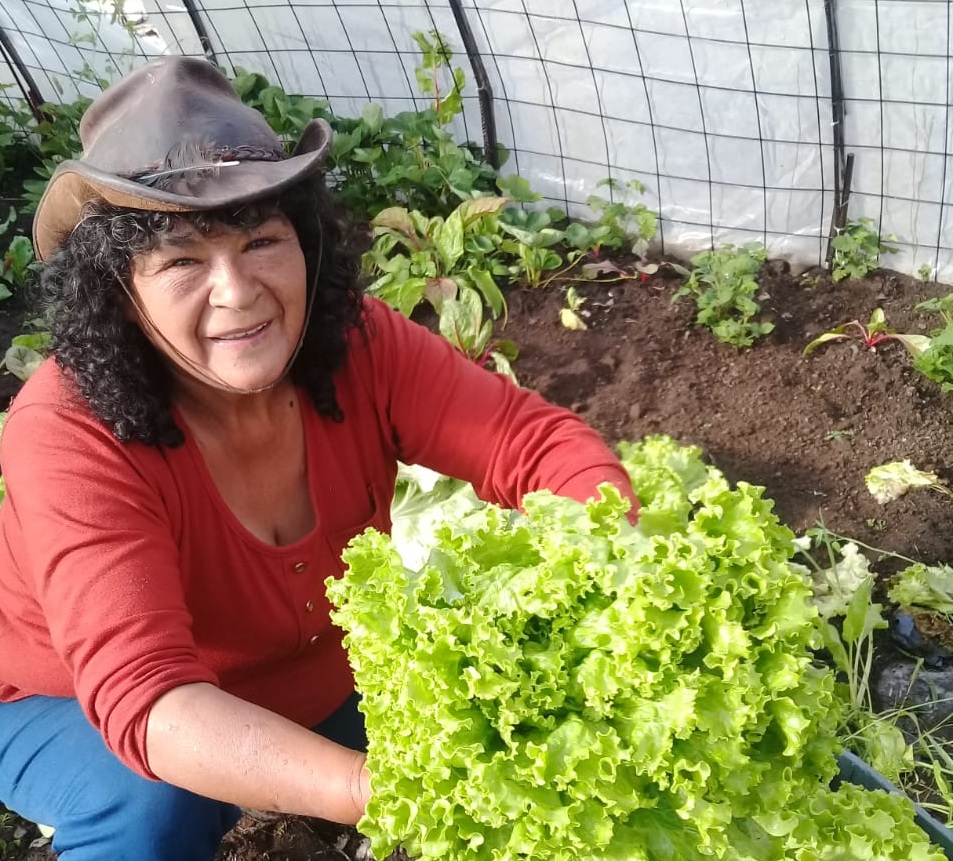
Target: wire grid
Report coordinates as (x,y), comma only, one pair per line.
(721,108)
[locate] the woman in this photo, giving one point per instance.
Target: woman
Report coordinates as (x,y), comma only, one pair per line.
(222,413)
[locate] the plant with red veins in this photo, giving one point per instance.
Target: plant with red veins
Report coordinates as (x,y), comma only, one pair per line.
(872,335)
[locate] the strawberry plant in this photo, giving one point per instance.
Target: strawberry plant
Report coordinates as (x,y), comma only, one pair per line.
(857,249)
(724,284)
(531,245)
(620,224)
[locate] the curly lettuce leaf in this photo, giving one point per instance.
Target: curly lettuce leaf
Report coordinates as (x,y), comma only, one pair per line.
(561,685)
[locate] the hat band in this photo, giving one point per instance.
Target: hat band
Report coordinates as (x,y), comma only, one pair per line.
(206,162)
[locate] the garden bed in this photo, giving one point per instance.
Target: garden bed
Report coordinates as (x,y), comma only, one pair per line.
(806,428)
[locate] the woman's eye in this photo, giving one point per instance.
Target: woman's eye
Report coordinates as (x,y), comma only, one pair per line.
(260,242)
(179,263)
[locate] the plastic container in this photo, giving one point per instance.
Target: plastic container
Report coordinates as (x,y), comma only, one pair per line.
(854,770)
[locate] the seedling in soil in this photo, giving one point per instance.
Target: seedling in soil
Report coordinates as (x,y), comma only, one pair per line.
(569,316)
(873,334)
(925,272)
(724,283)
(832,435)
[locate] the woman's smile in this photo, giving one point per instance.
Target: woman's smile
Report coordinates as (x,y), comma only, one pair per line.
(242,337)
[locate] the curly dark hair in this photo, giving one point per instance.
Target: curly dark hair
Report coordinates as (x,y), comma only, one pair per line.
(125,379)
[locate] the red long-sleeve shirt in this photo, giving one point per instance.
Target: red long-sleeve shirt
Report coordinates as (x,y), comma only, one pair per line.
(124,574)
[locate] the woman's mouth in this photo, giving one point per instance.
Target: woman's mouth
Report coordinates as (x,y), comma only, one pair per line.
(242,335)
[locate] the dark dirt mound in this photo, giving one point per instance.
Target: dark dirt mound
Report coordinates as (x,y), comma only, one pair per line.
(806,428)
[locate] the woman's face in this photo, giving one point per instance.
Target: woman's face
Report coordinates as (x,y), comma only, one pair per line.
(227,307)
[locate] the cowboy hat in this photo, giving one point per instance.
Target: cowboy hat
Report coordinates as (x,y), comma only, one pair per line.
(172,136)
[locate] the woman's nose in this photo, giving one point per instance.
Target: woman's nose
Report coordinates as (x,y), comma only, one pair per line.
(231,284)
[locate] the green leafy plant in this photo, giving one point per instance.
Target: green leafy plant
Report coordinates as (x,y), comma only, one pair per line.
(901,741)
(857,249)
(871,335)
(412,159)
(925,272)
(462,324)
(425,258)
(17,265)
(724,285)
(54,138)
(560,684)
(936,361)
(843,589)
(27,351)
(621,224)
(531,245)
(286,113)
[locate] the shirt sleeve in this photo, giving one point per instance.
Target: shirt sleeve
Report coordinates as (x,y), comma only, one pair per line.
(462,420)
(96,527)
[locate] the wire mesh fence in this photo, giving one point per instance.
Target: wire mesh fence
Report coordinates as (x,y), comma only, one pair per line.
(745,120)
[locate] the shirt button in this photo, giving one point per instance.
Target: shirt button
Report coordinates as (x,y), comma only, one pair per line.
(309,606)
(299,567)
(314,640)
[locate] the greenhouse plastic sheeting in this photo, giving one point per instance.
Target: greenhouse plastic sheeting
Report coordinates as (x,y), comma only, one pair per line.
(738,116)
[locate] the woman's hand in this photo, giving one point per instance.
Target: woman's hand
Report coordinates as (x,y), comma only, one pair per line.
(212,743)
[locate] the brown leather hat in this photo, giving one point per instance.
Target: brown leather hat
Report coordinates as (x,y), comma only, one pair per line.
(172,136)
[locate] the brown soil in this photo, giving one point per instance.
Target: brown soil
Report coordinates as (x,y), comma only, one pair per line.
(806,428)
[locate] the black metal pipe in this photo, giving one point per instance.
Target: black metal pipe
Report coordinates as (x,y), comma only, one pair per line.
(200,31)
(484,90)
(24,79)
(843,163)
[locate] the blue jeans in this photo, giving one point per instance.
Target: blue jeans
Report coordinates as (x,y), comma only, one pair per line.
(56,769)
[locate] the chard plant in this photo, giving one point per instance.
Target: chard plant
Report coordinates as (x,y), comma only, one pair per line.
(724,285)
(871,335)
(421,258)
(462,324)
(26,353)
(560,684)
(857,249)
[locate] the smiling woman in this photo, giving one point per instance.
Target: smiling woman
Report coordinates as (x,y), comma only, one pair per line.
(222,413)
(227,306)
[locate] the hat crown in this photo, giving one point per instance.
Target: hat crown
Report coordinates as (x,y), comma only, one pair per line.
(174,109)
(173,136)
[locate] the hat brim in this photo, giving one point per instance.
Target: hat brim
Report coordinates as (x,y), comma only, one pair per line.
(75,183)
